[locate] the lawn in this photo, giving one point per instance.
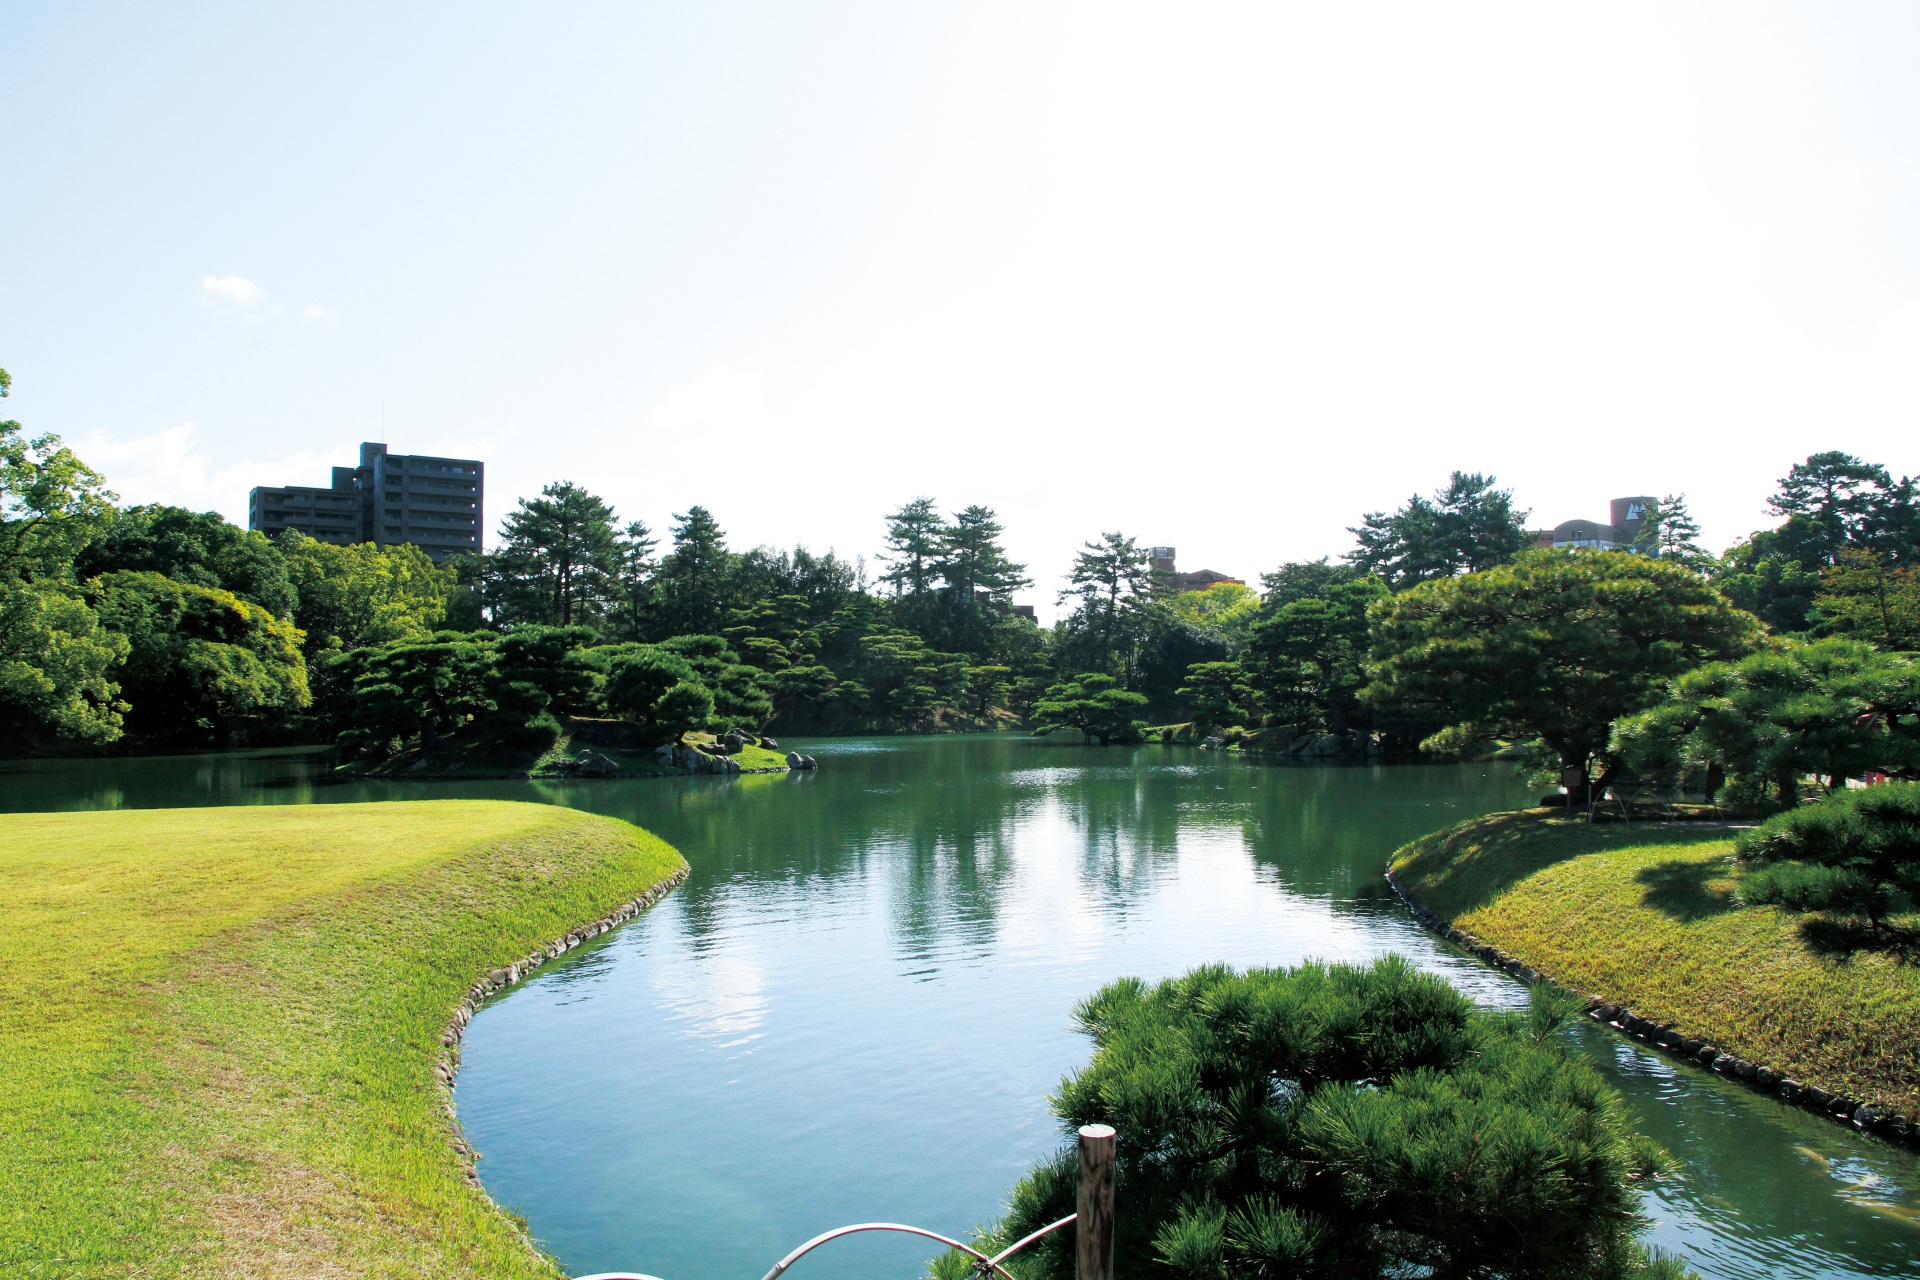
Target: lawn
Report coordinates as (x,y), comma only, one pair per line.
(220,1027)
(1645,915)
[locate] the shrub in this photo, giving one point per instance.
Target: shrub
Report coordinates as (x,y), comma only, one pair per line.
(1337,1122)
(1842,855)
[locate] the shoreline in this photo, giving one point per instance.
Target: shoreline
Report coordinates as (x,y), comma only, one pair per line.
(258,1076)
(1667,1036)
(446,1067)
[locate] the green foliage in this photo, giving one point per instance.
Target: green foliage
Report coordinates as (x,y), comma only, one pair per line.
(1833,708)
(693,590)
(1112,588)
(1464,528)
(420,689)
(1671,533)
(558,560)
(912,552)
(1337,1121)
(1228,609)
(201,664)
(658,690)
(737,694)
(351,597)
(1832,504)
(1094,704)
(1843,855)
(1775,590)
(1219,694)
(197,547)
(56,662)
(1861,595)
(978,580)
(1309,649)
(1556,646)
(51,504)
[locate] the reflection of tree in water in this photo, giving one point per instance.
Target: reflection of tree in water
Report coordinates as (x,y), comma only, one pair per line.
(1327,830)
(947,828)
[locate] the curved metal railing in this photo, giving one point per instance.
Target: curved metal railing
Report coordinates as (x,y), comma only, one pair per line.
(1095,1254)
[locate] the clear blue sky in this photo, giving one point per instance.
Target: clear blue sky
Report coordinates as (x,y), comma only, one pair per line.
(1219,277)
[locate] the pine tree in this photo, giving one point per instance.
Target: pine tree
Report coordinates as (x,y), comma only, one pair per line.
(978,580)
(694,588)
(558,559)
(913,544)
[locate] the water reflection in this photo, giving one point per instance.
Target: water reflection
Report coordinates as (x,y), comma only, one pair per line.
(857,1004)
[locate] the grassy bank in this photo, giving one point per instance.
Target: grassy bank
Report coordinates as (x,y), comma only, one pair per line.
(1646,916)
(221,1024)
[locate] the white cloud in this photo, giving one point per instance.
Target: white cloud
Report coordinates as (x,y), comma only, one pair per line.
(320,313)
(238,288)
(171,467)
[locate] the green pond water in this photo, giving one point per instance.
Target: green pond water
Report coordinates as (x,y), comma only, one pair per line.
(857,1004)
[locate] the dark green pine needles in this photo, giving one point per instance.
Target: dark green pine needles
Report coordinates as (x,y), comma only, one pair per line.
(1332,1121)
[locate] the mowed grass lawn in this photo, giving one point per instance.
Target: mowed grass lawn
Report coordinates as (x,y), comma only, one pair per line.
(1646,915)
(218,1029)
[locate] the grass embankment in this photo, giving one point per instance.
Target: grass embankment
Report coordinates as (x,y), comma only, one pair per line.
(1646,916)
(220,1027)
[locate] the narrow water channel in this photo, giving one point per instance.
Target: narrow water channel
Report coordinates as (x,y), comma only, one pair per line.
(856,1006)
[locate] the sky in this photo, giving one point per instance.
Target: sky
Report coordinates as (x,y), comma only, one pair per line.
(1220,277)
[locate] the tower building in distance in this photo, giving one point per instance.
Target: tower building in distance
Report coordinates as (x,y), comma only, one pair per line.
(436,504)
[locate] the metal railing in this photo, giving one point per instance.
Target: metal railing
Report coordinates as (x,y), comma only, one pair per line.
(1093,1211)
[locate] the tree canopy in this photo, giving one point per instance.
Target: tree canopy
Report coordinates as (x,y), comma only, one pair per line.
(1465,527)
(1555,646)
(1835,709)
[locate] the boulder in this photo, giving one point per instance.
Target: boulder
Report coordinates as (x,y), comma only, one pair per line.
(664,754)
(1789,1089)
(795,760)
(1865,1117)
(769,744)
(594,765)
(731,743)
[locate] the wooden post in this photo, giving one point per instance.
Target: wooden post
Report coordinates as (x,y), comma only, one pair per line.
(1093,1228)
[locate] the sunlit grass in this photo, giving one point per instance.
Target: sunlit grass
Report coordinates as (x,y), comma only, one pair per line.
(219,1027)
(1646,915)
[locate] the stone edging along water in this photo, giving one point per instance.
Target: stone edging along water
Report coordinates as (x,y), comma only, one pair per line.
(497,980)
(1662,1035)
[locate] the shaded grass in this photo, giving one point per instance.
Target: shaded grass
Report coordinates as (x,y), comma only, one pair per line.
(1647,916)
(221,1024)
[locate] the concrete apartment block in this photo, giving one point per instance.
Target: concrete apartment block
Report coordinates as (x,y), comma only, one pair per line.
(436,504)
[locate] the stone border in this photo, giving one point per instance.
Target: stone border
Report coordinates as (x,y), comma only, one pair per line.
(448,1064)
(1862,1116)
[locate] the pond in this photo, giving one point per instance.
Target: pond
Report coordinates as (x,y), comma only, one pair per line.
(856,1006)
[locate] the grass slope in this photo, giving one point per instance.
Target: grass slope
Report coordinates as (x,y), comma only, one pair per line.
(1645,915)
(221,1024)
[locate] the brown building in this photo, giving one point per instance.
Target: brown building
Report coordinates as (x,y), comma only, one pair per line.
(1629,520)
(1193,580)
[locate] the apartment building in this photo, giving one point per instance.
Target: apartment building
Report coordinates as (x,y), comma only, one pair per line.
(390,499)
